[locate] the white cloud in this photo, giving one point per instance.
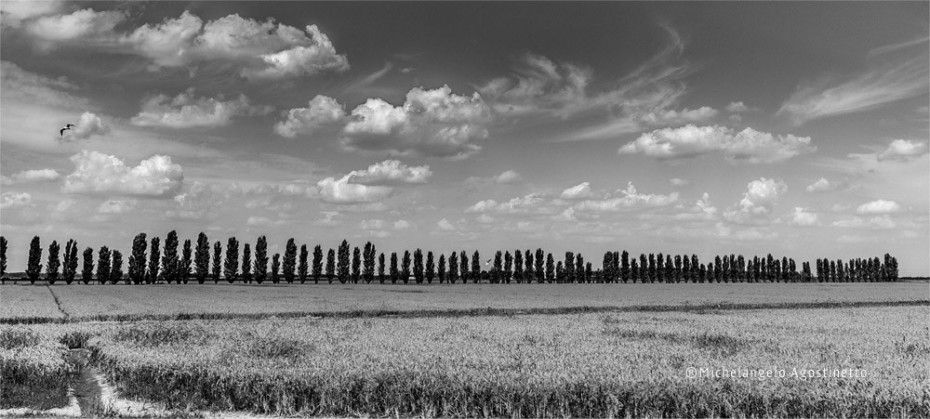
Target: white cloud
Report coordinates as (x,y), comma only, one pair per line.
(748,146)
(485,219)
(321,111)
(523,204)
(372,224)
(579,191)
(879,206)
(301,60)
(630,198)
(672,117)
(802,217)
(509,176)
(824,185)
(757,203)
(882,84)
(328,220)
(187,111)
(14,199)
(257,221)
(102,174)
(401,225)
(737,107)
(14,12)
(445,225)
(391,172)
(903,150)
(87,126)
(679,182)
(117,206)
(29,176)
(85,26)
(879,222)
(168,44)
(341,191)
(434,123)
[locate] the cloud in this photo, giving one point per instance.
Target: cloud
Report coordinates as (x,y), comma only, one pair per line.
(101,174)
(879,221)
(801,217)
(85,26)
(516,205)
(402,225)
(14,12)
(31,87)
(328,220)
(899,46)
(434,123)
(446,225)
(257,50)
(879,206)
(630,198)
(187,111)
(758,201)
(31,176)
(87,126)
(391,172)
(509,176)
(117,206)
(14,199)
(539,85)
(749,146)
(341,191)
(679,182)
(321,112)
(579,191)
(737,107)
(903,150)
(372,224)
(879,86)
(824,185)
(258,221)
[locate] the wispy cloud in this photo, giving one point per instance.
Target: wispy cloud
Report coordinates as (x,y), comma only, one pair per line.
(899,46)
(878,86)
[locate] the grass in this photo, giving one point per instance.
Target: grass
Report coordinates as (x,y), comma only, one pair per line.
(590,365)
(35,304)
(34,371)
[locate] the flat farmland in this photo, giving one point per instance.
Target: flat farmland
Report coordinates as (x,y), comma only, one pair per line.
(28,303)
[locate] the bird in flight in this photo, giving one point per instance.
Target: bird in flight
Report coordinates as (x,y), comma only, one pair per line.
(61,132)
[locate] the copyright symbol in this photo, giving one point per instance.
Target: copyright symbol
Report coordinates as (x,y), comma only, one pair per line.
(691,372)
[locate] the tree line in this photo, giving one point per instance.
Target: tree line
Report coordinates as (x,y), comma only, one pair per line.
(151,262)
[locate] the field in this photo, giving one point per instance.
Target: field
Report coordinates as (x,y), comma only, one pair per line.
(764,350)
(37,303)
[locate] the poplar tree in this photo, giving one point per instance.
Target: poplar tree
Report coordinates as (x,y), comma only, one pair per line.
(569,267)
(217,261)
(528,265)
(186,261)
(260,270)
(137,259)
(87,269)
(643,268)
(290,261)
(356,265)
(634,271)
(231,263)
(381,268)
(660,268)
(69,269)
(246,263)
(550,268)
(154,255)
(418,266)
(580,275)
(441,268)
(53,264)
(508,266)
(34,265)
(405,267)
(303,268)
(275,266)
(317,264)
(430,268)
(497,268)
(518,266)
(169,260)
(394,272)
(539,266)
(624,266)
(3,245)
(653,275)
(368,264)
(607,265)
(463,263)
(202,258)
(342,264)
(116,269)
(103,265)
(476,267)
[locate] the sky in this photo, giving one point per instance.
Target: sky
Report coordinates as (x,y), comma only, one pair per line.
(798,129)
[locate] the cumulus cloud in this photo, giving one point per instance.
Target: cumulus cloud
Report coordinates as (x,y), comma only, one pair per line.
(880,85)
(737,107)
(321,112)
(879,206)
(446,225)
(903,150)
(342,191)
(435,123)
(679,182)
(391,172)
(402,225)
(101,174)
(522,204)
(630,198)
(187,111)
(824,185)
(579,191)
(14,199)
(258,221)
(87,126)
(30,176)
(372,224)
(702,210)
(802,217)
(757,203)
(14,12)
(748,145)
(257,50)
(879,222)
